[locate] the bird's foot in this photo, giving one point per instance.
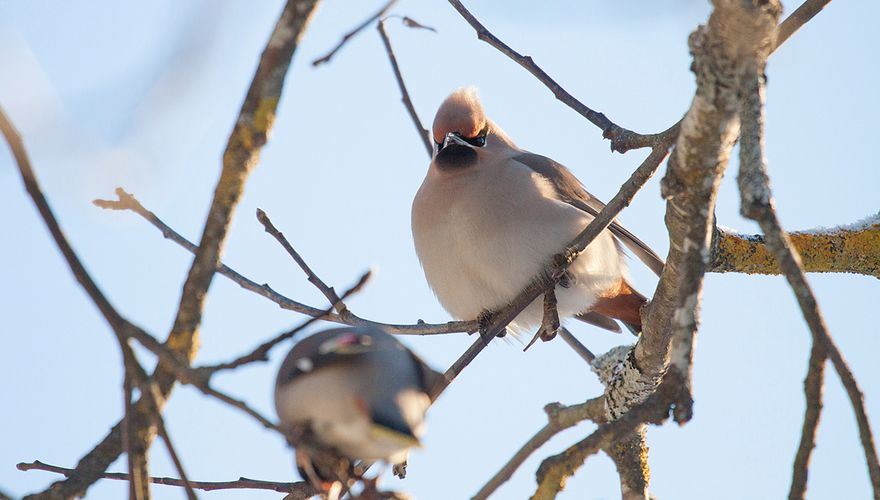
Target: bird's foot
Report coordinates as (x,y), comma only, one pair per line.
(399,470)
(484,320)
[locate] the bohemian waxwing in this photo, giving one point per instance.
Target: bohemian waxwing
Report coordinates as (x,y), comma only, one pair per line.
(355,391)
(490,216)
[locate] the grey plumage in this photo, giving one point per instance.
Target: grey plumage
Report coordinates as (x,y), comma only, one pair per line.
(570,190)
(489,216)
(357,391)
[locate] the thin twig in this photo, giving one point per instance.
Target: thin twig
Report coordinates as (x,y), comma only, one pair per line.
(813,392)
(352,33)
(128,202)
(622,140)
(424,135)
(576,345)
(798,18)
(559,418)
(299,487)
(313,278)
(261,353)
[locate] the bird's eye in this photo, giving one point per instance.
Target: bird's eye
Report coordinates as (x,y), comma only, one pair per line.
(478,141)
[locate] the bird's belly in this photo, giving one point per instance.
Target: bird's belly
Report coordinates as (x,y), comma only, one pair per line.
(479,255)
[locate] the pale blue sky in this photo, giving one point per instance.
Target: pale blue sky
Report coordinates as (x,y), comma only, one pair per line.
(143,95)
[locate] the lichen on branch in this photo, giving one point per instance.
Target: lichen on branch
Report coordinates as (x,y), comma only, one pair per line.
(844,249)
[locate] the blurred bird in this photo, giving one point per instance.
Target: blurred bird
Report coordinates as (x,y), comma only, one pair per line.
(490,216)
(356,392)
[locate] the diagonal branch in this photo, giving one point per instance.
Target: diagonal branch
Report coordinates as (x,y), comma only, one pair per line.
(137,461)
(136,376)
(128,202)
(798,18)
(242,151)
(559,418)
(554,471)
(261,353)
(757,204)
(622,140)
(498,320)
(313,278)
(813,392)
(348,36)
(404,94)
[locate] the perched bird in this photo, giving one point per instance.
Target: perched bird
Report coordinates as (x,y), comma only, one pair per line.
(355,391)
(490,216)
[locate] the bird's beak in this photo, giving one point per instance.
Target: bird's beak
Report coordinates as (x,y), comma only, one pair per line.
(453,138)
(405,439)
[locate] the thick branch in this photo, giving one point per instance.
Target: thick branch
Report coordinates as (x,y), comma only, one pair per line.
(847,249)
(301,488)
(630,457)
(708,132)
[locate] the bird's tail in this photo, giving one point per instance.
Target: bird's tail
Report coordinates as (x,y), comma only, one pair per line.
(622,303)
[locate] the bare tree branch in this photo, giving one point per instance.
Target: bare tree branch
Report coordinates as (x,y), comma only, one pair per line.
(576,345)
(326,58)
(261,353)
(559,418)
(248,136)
(137,461)
(404,94)
(846,249)
(135,375)
(813,392)
(622,140)
(757,204)
(798,18)
(138,471)
(313,278)
(301,488)
(630,456)
(128,202)
(708,132)
(554,471)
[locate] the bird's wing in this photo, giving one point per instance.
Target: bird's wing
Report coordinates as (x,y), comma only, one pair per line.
(570,190)
(430,380)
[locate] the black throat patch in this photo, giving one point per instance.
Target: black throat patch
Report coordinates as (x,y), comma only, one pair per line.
(455,157)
